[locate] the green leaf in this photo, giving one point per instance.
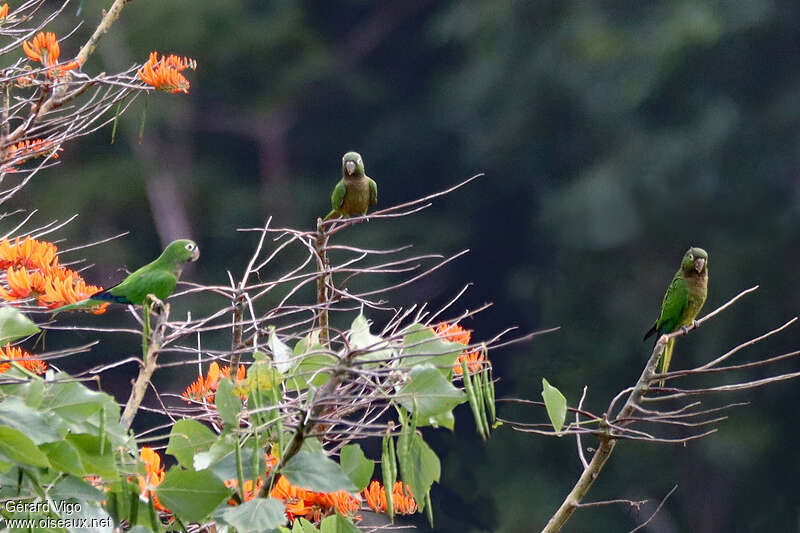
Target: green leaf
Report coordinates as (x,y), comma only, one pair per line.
(356,465)
(307,344)
(63,456)
(222,446)
(256,516)
(73,487)
(15,413)
(262,376)
(361,338)
(225,467)
(301,525)
(556,405)
(337,524)
(191,495)
(427,347)
(281,353)
(228,403)
(82,408)
(316,471)
(89,449)
(14,325)
(312,365)
(444,420)
(17,447)
(33,392)
(419,465)
(429,392)
(187,438)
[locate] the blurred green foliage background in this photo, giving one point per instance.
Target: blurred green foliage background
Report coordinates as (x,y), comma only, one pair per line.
(613,135)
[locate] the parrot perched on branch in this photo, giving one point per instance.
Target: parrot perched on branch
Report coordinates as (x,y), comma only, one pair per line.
(685,297)
(157,278)
(355,192)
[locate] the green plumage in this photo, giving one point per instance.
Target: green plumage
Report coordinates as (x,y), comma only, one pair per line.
(355,192)
(157,278)
(685,297)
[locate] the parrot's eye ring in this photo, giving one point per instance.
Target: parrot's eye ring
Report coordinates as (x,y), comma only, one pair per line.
(190,247)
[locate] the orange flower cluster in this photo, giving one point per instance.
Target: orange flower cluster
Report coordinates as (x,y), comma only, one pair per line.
(32,147)
(3,11)
(204,388)
(153,476)
(28,149)
(250,492)
(32,270)
(28,361)
(28,253)
(44,48)
(313,506)
(455,333)
(165,74)
(402,498)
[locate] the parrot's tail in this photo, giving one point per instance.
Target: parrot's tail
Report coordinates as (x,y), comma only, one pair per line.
(330,215)
(666,357)
(84,304)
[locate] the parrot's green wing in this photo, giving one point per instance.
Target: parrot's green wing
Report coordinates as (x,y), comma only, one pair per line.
(337,196)
(135,288)
(675,302)
(337,199)
(373,192)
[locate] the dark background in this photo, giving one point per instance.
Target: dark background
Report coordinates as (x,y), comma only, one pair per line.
(613,135)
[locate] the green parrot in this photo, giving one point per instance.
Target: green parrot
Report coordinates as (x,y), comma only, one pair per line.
(157,278)
(355,192)
(685,297)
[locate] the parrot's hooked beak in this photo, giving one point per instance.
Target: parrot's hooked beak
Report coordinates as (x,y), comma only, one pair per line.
(195,254)
(350,167)
(699,264)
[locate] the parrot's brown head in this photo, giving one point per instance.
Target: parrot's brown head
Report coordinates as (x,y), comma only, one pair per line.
(695,261)
(352,165)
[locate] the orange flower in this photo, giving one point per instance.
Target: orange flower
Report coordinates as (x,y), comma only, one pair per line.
(292,497)
(204,388)
(22,284)
(453,333)
(225,371)
(33,270)
(475,361)
(165,74)
(29,253)
(313,505)
(29,149)
(402,498)
(249,491)
(153,475)
(344,502)
(28,361)
(67,287)
(3,11)
(44,48)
